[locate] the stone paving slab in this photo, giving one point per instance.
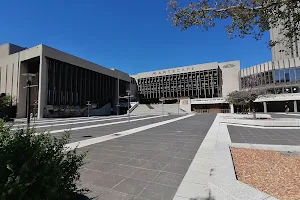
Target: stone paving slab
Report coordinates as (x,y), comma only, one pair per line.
(148,165)
(239,134)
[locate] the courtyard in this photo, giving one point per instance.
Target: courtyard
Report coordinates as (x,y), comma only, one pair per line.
(154,157)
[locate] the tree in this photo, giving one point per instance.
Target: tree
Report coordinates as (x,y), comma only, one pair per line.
(37,166)
(5,101)
(245,98)
(245,17)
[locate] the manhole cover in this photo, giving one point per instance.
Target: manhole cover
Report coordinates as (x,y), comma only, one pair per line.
(87,136)
(290,153)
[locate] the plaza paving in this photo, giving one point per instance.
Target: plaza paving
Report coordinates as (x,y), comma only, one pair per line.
(284,115)
(148,165)
(239,134)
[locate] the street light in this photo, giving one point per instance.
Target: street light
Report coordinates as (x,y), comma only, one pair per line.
(88,105)
(118,107)
(128,97)
(178,102)
(162,106)
(29,77)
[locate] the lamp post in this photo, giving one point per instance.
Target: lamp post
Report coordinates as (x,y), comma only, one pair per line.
(162,105)
(28,87)
(88,105)
(178,102)
(128,97)
(118,106)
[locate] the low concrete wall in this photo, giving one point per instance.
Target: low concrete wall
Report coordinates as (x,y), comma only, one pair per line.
(185,104)
(105,110)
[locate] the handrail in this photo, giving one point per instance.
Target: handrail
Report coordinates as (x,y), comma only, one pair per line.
(134,107)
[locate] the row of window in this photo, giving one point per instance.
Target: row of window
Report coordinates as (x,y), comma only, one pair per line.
(275,76)
(72,85)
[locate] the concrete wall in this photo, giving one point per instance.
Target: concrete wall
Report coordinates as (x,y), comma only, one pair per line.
(185,104)
(4,50)
(65,57)
(10,68)
(230,76)
(178,70)
(268,66)
(277,53)
(105,110)
(8,49)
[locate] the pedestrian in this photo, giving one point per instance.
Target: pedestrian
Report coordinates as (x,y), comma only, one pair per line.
(287,109)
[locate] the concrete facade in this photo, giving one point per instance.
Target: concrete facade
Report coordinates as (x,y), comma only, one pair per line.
(101,86)
(203,84)
(280,51)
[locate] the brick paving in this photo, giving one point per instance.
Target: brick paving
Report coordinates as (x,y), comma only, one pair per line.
(239,134)
(147,165)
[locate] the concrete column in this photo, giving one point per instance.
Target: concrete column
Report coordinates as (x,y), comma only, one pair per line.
(295,106)
(265,107)
(43,80)
(231,108)
(21,105)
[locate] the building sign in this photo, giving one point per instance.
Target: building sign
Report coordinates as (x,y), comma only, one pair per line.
(230,65)
(172,71)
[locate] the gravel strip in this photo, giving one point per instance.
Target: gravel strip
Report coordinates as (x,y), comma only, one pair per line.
(268,171)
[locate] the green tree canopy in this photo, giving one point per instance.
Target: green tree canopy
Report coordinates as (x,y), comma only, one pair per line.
(244,97)
(245,17)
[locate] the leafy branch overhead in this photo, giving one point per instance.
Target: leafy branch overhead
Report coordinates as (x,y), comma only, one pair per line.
(245,17)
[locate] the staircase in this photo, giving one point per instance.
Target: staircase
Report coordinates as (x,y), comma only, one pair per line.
(156,109)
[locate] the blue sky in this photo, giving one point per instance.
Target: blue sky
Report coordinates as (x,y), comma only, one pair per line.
(130,35)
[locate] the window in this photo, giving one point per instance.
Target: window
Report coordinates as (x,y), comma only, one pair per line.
(298,74)
(292,75)
(276,76)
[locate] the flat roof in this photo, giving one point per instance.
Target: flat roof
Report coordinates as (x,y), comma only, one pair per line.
(178,70)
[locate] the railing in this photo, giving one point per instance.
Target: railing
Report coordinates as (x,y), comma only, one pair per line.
(225,110)
(203,111)
(134,107)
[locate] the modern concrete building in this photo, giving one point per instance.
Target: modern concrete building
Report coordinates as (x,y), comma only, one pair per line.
(281,51)
(200,87)
(280,78)
(64,83)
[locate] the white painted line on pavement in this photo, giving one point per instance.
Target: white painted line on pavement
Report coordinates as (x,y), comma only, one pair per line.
(80,122)
(62,120)
(99,125)
(88,142)
(262,127)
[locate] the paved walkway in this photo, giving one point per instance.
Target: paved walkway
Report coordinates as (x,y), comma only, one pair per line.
(284,115)
(147,165)
(239,134)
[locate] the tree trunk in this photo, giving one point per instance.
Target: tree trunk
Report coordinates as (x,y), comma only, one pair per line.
(253,110)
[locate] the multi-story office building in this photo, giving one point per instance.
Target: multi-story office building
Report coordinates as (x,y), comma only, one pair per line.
(206,84)
(64,84)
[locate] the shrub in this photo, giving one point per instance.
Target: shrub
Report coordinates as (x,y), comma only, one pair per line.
(37,166)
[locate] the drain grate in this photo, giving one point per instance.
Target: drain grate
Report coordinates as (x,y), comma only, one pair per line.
(87,136)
